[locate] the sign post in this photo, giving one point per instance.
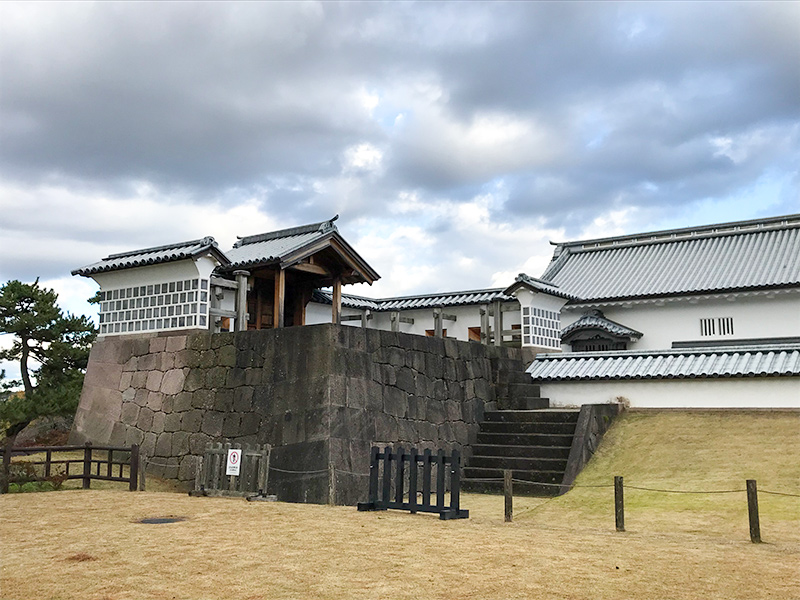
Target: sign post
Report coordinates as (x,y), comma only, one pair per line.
(234,461)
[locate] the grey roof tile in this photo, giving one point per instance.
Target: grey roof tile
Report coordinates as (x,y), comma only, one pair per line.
(757,254)
(743,361)
(461,298)
(274,246)
(600,322)
(155,255)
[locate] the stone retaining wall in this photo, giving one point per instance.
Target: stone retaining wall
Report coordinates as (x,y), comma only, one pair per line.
(319,395)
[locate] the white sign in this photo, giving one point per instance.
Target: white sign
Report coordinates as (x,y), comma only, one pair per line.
(234,461)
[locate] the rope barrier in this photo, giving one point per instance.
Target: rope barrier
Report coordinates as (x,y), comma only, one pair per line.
(271,468)
(779,493)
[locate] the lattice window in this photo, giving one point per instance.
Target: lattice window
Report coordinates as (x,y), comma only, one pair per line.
(715,326)
(541,327)
(156,307)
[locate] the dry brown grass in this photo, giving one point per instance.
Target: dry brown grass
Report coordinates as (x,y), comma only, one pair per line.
(677,547)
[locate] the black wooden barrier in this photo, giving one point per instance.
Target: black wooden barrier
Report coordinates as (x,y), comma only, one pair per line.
(107,468)
(381,499)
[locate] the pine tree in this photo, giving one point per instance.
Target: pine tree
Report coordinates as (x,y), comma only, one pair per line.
(52,349)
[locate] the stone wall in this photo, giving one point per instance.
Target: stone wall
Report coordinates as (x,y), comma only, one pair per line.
(319,395)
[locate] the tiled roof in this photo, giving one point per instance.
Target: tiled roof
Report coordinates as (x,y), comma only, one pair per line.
(600,322)
(462,298)
(276,245)
(153,256)
(539,285)
(690,363)
(746,255)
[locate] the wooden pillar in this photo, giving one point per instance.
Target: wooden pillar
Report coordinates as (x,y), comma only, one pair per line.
(437,323)
(241,300)
(336,310)
(485,324)
(394,317)
(498,323)
(364,318)
(280,298)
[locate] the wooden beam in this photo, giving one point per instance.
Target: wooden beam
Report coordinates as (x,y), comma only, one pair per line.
(241,300)
(447,317)
(336,309)
(309,268)
(484,325)
(498,324)
(280,298)
(437,322)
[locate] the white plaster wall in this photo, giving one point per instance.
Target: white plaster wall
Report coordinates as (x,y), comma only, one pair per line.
(750,392)
(317,313)
(139,276)
(753,317)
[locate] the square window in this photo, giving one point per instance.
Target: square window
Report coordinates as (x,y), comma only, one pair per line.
(141,313)
(136,292)
(118,305)
(104,329)
(163,311)
(160,300)
(145,302)
(116,327)
(174,321)
(202,321)
(138,326)
(203,296)
(183,297)
(175,298)
(159,323)
(182,322)
(179,287)
(150,290)
(203,308)
(178,309)
(138,303)
(171,286)
(124,327)
(194,284)
(115,295)
(152,324)
(149,313)
(194,308)
(171,311)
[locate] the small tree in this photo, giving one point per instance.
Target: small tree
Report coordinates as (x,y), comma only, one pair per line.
(52,349)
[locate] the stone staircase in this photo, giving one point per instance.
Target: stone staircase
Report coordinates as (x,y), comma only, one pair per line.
(523,434)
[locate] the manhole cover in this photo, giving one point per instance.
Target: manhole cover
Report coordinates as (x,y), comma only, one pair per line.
(161,520)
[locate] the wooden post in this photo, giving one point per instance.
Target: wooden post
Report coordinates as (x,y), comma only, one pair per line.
(455,481)
(6,467)
(280,298)
(399,482)
(498,324)
(412,480)
(387,475)
(142,472)
(199,483)
(437,322)
(426,477)
(87,465)
(336,308)
(394,318)
(440,479)
(331,485)
(373,475)
(752,511)
(485,324)
(508,492)
(619,504)
(364,318)
(241,300)
(134,469)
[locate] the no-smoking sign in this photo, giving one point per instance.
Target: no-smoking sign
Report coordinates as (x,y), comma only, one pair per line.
(234,461)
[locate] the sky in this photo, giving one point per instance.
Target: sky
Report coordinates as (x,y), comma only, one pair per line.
(455,140)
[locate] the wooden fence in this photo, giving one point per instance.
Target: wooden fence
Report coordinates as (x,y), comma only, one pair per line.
(382,499)
(210,477)
(109,467)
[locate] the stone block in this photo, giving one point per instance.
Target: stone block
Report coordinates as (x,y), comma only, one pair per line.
(252,376)
(208,359)
(199,341)
(131,364)
(215,377)
(356,393)
(226,356)
(452,410)
(119,433)
(144,419)
(434,367)
(450,369)
(396,357)
(223,400)
(139,380)
(103,375)
(245,357)
(158,344)
(395,402)
(417,407)
(148,446)
(172,422)
(180,443)
(243,399)
(154,380)
(125,381)
(129,395)
(349,424)
(187,468)
(182,402)
(293,428)
(194,380)
(250,424)
(212,423)
(158,422)
(455,391)
(130,413)
(187,359)
(203,399)
(386,428)
(176,343)
(172,382)
(191,421)
(230,425)
(435,412)
(167,361)
(218,340)
(406,380)
(198,442)
(374,398)
(133,436)
(235,377)
(164,445)
(155,400)
(148,362)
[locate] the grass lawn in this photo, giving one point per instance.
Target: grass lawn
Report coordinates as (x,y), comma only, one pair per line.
(88,544)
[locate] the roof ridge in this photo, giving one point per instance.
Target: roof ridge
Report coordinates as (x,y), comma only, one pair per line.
(206,241)
(322,226)
(679,234)
(791,347)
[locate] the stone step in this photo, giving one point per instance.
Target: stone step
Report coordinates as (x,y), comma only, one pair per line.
(561,452)
(530,476)
(525,439)
(518,463)
(506,377)
(527,427)
(520,489)
(532,416)
(523,403)
(519,390)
